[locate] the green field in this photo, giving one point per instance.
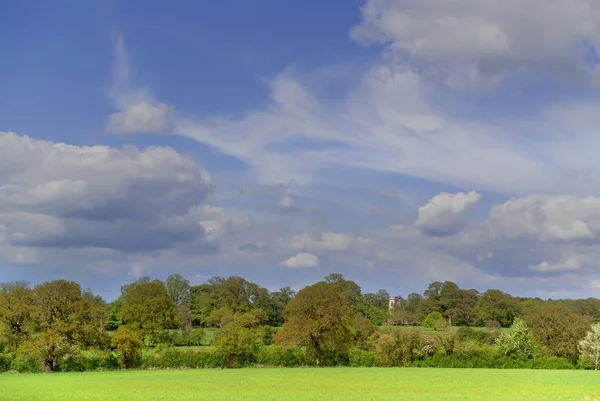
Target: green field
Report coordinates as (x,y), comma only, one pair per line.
(337,384)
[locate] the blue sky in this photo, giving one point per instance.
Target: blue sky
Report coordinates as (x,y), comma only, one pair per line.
(395,141)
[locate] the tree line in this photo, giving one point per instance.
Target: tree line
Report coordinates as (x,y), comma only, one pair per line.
(330,322)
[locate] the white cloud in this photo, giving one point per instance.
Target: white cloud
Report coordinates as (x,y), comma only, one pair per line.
(287,204)
(547,218)
(445,213)
(143,116)
(328,241)
(485,38)
(138,111)
(62,196)
(571,263)
(302,260)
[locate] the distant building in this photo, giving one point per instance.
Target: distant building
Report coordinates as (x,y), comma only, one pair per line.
(394,301)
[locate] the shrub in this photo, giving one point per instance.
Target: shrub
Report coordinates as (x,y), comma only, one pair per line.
(6,361)
(129,345)
(552,362)
(489,337)
(27,363)
(360,358)
(466,333)
(164,337)
(268,334)
(519,342)
(172,358)
(283,357)
(435,321)
(196,337)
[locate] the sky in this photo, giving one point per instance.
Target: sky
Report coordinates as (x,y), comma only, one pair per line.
(397,142)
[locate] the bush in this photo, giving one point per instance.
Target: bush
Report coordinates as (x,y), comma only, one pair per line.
(164,337)
(466,333)
(268,334)
(435,321)
(129,345)
(280,357)
(552,362)
(6,361)
(585,363)
(361,358)
(27,363)
(196,337)
(172,358)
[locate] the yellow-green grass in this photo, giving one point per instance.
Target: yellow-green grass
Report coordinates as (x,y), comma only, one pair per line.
(331,384)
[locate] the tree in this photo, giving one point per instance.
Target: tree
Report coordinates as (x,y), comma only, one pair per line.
(66,320)
(129,345)
(435,321)
(590,345)
(519,342)
(113,314)
(235,293)
(320,318)
(279,300)
(148,308)
(178,289)
(347,288)
(15,313)
(498,306)
(374,306)
(240,336)
(558,329)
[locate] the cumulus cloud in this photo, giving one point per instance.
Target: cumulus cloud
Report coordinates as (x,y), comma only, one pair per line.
(62,196)
(328,241)
(287,204)
(143,116)
(138,111)
(547,218)
(302,260)
(445,213)
(486,38)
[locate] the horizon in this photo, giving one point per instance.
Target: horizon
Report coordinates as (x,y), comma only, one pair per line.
(395,142)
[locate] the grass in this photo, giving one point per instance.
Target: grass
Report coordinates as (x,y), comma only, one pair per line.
(335,384)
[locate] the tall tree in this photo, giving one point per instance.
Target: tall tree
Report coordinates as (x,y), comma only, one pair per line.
(279,300)
(497,306)
(558,329)
(148,308)
(590,345)
(67,320)
(15,313)
(347,288)
(178,289)
(321,318)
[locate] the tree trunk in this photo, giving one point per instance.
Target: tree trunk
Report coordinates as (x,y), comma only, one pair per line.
(597,360)
(48,364)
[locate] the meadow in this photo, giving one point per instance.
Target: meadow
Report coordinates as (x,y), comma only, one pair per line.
(336,384)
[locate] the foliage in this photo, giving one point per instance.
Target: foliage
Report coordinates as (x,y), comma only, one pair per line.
(558,329)
(148,308)
(129,345)
(498,306)
(178,289)
(196,337)
(15,313)
(235,294)
(435,321)
(589,346)
(320,318)
(66,321)
(239,337)
(362,329)
(519,342)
